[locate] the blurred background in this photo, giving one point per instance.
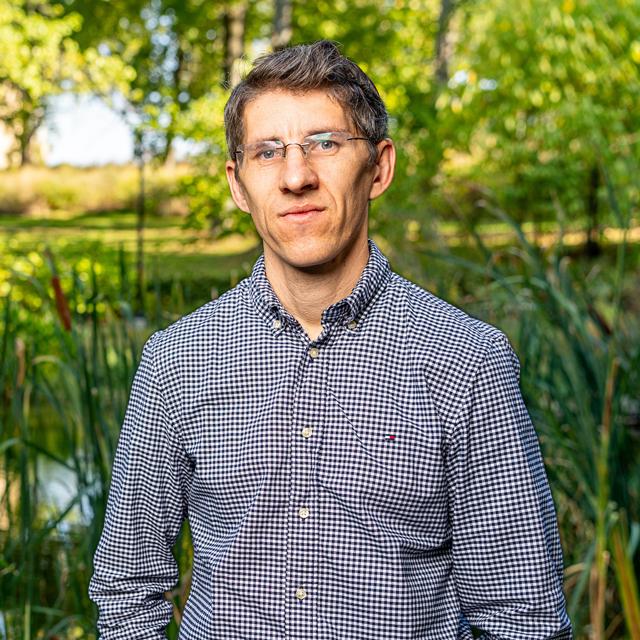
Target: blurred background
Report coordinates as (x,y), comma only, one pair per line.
(516,198)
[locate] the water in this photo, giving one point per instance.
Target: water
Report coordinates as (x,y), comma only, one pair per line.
(57,489)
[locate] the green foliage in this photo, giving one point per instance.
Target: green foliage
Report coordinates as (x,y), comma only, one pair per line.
(402,38)
(210,204)
(542,94)
(176,48)
(575,328)
(185,268)
(395,44)
(69,345)
(38,59)
(580,361)
(76,382)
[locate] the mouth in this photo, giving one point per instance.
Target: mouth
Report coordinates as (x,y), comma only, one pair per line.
(302,211)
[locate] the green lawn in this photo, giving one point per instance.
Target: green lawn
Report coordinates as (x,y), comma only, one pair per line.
(173,254)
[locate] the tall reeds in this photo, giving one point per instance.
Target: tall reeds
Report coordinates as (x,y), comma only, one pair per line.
(62,401)
(578,339)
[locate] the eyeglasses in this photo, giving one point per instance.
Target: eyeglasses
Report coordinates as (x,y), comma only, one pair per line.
(268,153)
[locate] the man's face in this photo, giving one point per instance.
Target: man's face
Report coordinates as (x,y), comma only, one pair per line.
(308,213)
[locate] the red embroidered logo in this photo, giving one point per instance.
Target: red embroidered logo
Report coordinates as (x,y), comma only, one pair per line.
(389,436)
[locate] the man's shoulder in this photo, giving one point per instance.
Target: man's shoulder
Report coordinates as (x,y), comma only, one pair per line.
(438,323)
(451,344)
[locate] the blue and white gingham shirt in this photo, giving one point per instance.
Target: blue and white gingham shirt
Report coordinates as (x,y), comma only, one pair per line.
(381,482)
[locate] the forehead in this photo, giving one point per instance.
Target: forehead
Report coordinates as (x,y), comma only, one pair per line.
(290,115)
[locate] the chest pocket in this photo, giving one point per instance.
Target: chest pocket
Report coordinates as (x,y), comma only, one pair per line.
(377,457)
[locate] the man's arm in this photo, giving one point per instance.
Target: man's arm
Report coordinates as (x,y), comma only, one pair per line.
(133,565)
(506,549)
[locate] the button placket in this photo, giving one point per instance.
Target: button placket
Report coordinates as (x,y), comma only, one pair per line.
(302,535)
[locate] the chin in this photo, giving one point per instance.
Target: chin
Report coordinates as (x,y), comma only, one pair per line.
(308,256)
(314,252)
(309,261)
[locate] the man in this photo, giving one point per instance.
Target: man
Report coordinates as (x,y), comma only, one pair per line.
(353,454)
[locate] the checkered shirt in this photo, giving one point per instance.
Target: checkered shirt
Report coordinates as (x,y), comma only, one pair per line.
(381,482)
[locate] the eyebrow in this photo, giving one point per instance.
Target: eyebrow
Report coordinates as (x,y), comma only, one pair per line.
(310,132)
(314,132)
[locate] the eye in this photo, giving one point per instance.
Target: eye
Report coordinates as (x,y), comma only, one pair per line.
(266,152)
(327,145)
(324,144)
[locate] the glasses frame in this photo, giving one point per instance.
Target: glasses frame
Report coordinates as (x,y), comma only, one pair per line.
(304,146)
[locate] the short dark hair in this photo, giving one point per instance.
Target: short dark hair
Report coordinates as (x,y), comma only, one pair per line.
(309,67)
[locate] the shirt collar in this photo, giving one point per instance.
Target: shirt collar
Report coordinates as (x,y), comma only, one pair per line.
(374,276)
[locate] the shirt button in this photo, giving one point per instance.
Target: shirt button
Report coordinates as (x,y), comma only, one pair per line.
(306,432)
(301,594)
(277,324)
(313,352)
(303,512)
(352,324)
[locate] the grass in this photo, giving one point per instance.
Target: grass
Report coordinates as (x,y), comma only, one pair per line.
(577,333)
(64,393)
(68,221)
(163,234)
(39,191)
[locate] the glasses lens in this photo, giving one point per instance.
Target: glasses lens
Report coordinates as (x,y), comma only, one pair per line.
(264,152)
(325,144)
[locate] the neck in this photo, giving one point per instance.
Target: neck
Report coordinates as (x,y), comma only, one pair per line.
(306,293)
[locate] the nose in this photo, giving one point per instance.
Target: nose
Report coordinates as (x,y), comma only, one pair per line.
(297,175)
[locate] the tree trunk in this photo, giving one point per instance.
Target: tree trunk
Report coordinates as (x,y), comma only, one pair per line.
(443,48)
(282,30)
(140,221)
(25,151)
(29,123)
(234,27)
(166,156)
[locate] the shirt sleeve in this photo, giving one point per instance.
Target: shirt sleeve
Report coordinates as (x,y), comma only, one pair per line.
(506,548)
(133,564)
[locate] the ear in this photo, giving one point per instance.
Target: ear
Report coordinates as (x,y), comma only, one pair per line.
(384,168)
(237,190)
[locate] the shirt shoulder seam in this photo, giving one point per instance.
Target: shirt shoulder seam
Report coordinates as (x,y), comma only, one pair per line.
(171,418)
(489,345)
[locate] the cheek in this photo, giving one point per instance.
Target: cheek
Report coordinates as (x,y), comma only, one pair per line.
(356,188)
(344,185)
(257,202)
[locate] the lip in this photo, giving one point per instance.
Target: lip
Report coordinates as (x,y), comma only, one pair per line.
(302,210)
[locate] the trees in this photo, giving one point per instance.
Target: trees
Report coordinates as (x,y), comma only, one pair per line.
(179,50)
(39,59)
(543,97)
(395,42)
